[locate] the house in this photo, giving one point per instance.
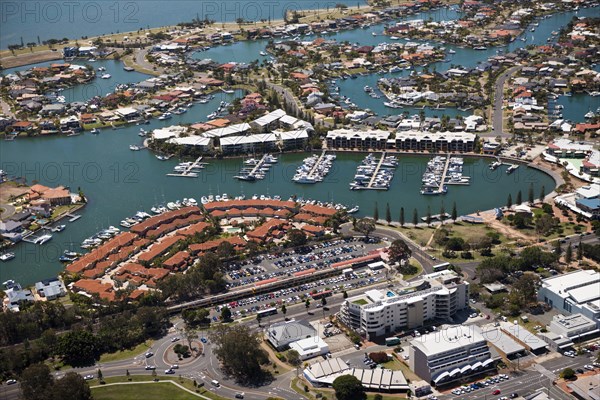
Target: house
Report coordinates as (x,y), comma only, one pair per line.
(50,289)
(281,334)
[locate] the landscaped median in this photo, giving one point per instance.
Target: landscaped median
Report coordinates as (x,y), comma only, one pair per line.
(144,387)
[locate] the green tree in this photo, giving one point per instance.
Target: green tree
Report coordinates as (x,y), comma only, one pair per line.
(307,304)
(293,358)
(399,251)
(365,226)
(225,250)
(225,314)
(557,247)
(283,309)
(401,219)
(454,214)
(519,199)
(580,251)
(72,386)
(530,195)
(78,348)
(509,201)
(388,213)
(567,374)
(524,290)
(569,254)
(376,212)
(345,294)
(238,349)
(415,217)
(348,387)
(36,382)
(428,216)
(543,193)
(297,238)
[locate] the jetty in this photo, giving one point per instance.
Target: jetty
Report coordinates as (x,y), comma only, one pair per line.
(258,166)
(371,185)
(73,217)
(375,174)
(188,171)
(311,173)
(444,173)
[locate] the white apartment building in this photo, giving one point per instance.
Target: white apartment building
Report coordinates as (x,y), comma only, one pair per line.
(450,355)
(383,312)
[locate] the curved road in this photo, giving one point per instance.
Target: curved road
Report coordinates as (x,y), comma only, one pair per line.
(497,112)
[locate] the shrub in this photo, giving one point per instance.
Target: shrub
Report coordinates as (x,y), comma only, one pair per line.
(379,357)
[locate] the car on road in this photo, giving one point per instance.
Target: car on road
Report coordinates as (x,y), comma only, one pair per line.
(11,381)
(514,395)
(579,371)
(88,377)
(175,366)
(496,392)
(203,340)
(239,395)
(149,354)
(150,367)
(169,371)
(175,339)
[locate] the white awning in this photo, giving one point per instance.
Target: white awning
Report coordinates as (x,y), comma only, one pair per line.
(477,365)
(465,369)
(487,362)
(440,377)
(454,371)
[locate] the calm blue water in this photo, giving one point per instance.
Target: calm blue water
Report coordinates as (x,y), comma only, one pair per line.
(31,21)
(576,106)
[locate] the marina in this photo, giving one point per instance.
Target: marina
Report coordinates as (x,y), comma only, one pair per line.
(374,174)
(256,169)
(314,168)
(188,169)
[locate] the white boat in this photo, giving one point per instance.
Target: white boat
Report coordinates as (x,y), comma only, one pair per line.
(589,115)
(263,53)
(495,165)
(512,168)
(59,228)
(7,256)
(392,104)
(105,76)
(394,69)
(43,239)
(353,210)
(164,116)
(230,91)
(394,38)
(373,33)
(451,51)
(142,132)
(94,131)
(212,115)
(204,200)
(101,69)
(134,147)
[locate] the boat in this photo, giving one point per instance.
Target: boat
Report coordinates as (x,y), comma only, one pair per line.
(451,51)
(7,256)
(105,76)
(134,147)
(373,33)
(394,69)
(589,115)
(66,259)
(212,115)
(480,48)
(353,210)
(142,132)
(392,104)
(101,69)
(229,91)
(94,131)
(495,165)
(164,116)
(162,157)
(512,168)
(263,53)
(59,228)
(128,69)
(43,239)
(394,38)
(249,178)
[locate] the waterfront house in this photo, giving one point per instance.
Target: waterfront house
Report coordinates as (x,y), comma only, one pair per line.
(355,139)
(11,230)
(50,289)
(15,296)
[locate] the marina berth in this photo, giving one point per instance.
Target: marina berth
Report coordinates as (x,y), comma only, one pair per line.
(314,168)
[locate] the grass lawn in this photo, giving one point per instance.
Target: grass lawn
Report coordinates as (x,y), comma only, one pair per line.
(419,270)
(398,365)
(157,391)
(125,354)
(360,302)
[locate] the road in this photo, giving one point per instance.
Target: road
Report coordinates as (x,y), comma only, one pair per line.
(288,96)
(497,112)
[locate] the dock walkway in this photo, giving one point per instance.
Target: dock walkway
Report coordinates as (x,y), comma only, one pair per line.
(187,173)
(444,173)
(317,164)
(375,173)
(258,166)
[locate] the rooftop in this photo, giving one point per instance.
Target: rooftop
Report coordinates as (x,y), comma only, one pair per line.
(447,340)
(565,285)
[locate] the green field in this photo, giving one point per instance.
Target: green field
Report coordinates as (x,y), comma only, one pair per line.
(126,354)
(148,391)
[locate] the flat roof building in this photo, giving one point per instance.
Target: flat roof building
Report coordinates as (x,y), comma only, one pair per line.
(573,293)
(310,347)
(450,355)
(525,338)
(502,342)
(574,326)
(382,312)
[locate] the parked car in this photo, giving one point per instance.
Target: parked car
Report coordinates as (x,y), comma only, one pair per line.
(496,392)
(150,367)
(11,381)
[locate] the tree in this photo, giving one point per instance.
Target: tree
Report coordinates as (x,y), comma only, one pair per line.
(323,301)
(225,250)
(307,304)
(415,218)
(348,387)
(225,314)
(238,349)
(388,213)
(283,309)
(509,201)
(519,199)
(297,237)
(36,382)
(542,193)
(399,251)
(365,226)
(99,375)
(569,254)
(401,219)
(345,294)
(376,212)
(72,386)
(567,374)
(524,290)
(454,215)
(580,251)
(78,348)
(293,358)
(530,195)
(428,216)
(557,248)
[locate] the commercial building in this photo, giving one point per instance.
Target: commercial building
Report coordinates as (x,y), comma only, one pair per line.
(586,387)
(574,326)
(450,355)
(281,334)
(577,292)
(382,312)
(355,139)
(503,343)
(310,347)
(323,374)
(525,338)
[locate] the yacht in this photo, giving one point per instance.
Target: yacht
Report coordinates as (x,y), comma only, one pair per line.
(164,116)
(180,111)
(263,53)
(212,115)
(105,76)
(204,200)
(229,91)
(451,51)
(134,147)
(7,256)
(495,165)
(373,33)
(394,38)
(101,69)
(43,239)
(480,48)
(353,210)
(94,131)
(512,168)
(59,228)
(142,132)
(394,69)
(590,114)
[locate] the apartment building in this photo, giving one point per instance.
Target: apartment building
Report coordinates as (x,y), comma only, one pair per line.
(383,312)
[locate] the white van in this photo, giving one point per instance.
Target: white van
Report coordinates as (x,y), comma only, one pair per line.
(215,383)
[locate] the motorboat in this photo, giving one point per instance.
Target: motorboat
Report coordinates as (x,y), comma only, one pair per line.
(105,76)
(263,53)
(7,256)
(59,228)
(94,131)
(165,116)
(134,147)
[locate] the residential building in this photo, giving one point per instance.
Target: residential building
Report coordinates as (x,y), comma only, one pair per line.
(577,292)
(50,289)
(281,334)
(450,355)
(438,141)
(355,139)
(382,312)
(15,296)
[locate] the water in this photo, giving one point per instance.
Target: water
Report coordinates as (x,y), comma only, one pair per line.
(119,182)
(74,20)
(577,105)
